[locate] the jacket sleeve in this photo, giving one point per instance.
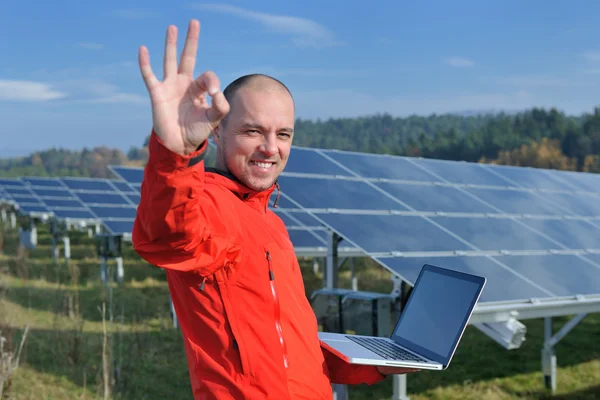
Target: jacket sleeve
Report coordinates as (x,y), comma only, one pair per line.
(343,373)
(178,224)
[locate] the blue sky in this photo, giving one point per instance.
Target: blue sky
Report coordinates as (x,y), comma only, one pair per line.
(69,76)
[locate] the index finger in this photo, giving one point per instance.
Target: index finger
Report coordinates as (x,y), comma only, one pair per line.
(144,62)
(188,56)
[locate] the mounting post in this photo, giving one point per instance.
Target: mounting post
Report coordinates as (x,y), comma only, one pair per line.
(13,220)
(120,272)
(332,261)
(399,387)
(340,392)
(548,356)
(103,268)
(54,231)
(67,244)
(353,278)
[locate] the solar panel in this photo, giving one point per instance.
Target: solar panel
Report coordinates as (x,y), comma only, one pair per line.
(502,283)
(103,198)
(493,220)
(309,161)
(379,166)
(584,181)
(119,227)
(428,197)
(133,175)
(124,187)
(515,201)
(583,204)
(23,198)
(87,184)
(334,193)
(390,233)
(531,177)
(106,212)
(461,172)
(14,182)
(57,198)
(47,182)
(562,275)
(106,202)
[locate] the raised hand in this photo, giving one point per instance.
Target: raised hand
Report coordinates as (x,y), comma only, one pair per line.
(181,115)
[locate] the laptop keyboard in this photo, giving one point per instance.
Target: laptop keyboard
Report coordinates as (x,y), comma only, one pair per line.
(385,349)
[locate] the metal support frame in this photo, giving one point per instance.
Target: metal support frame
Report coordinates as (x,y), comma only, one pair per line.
(13,220)
(332,261)
(4,217)
(54,232)
(67,249)
(353,278)
(110,247)
(548,355)
(120,271)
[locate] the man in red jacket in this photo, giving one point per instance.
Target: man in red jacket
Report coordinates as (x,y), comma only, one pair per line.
(248,328)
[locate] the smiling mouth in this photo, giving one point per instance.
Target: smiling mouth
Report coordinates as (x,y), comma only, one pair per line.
(262,164)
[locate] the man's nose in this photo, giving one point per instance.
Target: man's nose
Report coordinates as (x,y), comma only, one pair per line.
(269,145)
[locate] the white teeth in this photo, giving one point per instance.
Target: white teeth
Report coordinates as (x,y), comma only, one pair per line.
(263,165)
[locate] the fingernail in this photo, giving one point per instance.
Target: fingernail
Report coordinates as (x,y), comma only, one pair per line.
(212,91)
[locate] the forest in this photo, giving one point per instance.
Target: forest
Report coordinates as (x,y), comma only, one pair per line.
(543,138)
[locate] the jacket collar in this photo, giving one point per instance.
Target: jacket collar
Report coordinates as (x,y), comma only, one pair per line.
(246,194)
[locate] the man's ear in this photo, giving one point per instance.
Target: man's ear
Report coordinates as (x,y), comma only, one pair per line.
(216,133)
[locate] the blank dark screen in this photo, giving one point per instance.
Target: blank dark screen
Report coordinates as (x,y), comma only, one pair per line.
(436,312)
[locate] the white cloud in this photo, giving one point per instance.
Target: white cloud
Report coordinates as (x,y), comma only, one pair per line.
(91,91)
(459,62)
(304,32)
(134,13)
(90,46)
(28,91)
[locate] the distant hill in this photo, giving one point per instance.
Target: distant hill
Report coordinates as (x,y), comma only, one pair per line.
(537,137)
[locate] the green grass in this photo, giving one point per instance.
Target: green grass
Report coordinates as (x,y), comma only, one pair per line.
(62,356)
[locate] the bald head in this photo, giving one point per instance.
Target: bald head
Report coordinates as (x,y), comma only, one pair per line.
(253,82)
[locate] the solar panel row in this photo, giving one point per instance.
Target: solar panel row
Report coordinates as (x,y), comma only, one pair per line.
(521,227)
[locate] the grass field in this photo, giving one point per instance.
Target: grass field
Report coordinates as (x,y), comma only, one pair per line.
(62,356)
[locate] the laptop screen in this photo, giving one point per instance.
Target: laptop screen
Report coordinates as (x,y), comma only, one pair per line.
(437,311)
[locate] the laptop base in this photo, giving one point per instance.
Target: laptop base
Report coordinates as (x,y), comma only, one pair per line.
(339,345)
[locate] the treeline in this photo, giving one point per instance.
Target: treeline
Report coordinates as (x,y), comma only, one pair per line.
(537,137)
(61,162)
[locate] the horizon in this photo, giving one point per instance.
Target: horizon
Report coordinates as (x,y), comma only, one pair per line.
(81,87)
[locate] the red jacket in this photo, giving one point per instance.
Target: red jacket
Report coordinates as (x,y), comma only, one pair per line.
(248,328)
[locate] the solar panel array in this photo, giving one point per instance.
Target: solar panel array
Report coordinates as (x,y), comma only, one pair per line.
(110,202)
(19,194)
(533,233)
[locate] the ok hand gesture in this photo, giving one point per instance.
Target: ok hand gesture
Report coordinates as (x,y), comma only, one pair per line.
(181,115)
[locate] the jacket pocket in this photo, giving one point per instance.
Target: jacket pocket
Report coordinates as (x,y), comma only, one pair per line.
(237,340)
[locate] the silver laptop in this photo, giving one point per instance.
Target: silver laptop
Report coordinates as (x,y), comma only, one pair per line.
(428,330)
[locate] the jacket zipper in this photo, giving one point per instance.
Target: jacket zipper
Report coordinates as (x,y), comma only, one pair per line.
(277,311)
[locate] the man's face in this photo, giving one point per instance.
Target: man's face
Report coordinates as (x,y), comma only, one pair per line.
(255,143)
